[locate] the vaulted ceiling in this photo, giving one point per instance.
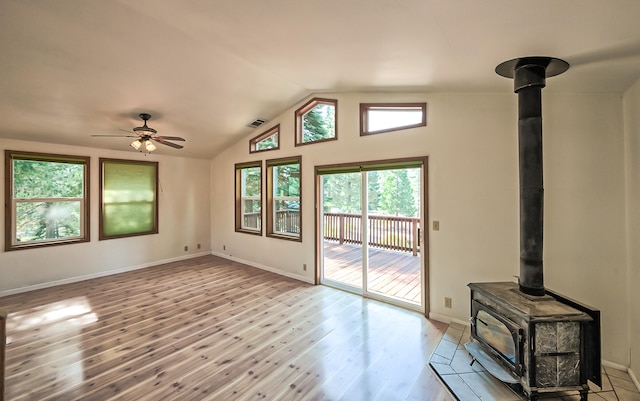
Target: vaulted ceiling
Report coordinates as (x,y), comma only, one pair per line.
(204,69)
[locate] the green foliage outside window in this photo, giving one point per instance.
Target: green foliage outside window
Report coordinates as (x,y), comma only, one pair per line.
(319,123)
(251,180)
(390,192)
(287,179)
(287,198)
(270,142)
(48,196)
(397,197)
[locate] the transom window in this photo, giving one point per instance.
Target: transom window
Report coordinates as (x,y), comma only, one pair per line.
(47,198)
(268,140)
(284,201)
(316,121)
(248,205)
(376,118)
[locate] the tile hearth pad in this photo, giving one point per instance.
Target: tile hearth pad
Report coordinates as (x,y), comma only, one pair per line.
(466,382)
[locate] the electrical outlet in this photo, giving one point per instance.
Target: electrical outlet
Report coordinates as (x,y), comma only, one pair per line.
(224,247)
(198,246)
(186,248)
(304,267)
(447,302)
(436,225)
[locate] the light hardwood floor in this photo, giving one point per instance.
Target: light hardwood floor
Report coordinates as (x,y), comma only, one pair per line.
(212,329)
(391,273)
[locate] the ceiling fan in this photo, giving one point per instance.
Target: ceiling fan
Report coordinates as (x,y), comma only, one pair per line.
(146,136)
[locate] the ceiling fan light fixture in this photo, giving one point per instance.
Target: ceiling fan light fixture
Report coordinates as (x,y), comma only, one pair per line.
(136,144)
(149,146)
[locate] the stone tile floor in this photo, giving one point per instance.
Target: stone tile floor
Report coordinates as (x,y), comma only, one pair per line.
(466,382)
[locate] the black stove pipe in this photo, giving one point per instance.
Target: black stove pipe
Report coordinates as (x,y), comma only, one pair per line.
(529,75)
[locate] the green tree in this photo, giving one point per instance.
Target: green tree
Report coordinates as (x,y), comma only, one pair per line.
(268,143)
(373,191)
(397,194)
(318,123)
(342,192)
(45,219)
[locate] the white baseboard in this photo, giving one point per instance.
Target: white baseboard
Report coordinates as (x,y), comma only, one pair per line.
(264,267)
(623,368)
(614,365)
(447,319)
(97,275)
(634,378)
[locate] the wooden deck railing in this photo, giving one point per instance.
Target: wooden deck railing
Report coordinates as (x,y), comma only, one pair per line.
(3,344)
(387,232)
(287,221)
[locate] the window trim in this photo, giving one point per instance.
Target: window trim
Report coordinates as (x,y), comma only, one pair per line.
(366,107)
(253,142)
(10,205)
(156,207)
(270,232)
(238,167)
(304,109)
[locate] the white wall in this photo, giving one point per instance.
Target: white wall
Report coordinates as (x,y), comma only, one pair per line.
(183,220)
(585,236)
(471,142)
(632,146)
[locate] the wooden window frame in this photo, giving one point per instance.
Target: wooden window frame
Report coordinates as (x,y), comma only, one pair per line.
(155,228)
(253,143)
(304,109)
(366,107)
(238,201)
(270,213)
(10,204)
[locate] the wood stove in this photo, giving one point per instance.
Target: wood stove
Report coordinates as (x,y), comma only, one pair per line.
(542,343)
(522,333)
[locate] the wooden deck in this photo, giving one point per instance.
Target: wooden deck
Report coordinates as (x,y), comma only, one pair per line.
(391,273)
(212,329)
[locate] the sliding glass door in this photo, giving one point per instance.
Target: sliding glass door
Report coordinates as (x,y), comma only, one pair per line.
(369,236)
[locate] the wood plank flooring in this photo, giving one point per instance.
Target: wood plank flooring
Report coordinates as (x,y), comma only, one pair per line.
(391,273)
(212,329)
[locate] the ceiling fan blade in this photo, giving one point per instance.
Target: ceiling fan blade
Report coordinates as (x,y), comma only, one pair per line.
(171,138)
(115,136)
(162,141)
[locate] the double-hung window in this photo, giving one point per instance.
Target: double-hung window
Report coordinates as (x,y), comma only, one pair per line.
(248,205)
(47,199)
(284,201)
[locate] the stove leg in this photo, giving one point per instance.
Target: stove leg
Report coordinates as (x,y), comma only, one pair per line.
(584,394)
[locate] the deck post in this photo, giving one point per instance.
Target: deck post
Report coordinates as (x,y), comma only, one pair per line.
(341,229)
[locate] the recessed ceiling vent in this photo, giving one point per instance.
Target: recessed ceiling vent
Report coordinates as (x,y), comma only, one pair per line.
(257,122)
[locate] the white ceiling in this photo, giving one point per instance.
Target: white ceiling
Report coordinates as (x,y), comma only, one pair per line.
(204,69)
